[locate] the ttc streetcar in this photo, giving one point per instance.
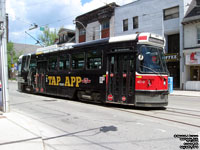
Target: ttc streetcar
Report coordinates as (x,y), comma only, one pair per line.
(128,70)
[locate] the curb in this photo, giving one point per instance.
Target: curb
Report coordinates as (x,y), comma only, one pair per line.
(189,95)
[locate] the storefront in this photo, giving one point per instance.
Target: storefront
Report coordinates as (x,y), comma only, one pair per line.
(192,70)
(173,65)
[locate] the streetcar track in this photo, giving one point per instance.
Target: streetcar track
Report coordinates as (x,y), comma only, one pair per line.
(177,115)
(194,115)
(183,109)
(161,118)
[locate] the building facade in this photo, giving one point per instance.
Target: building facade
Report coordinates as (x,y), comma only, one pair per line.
(160,17)
(191,24)
(66,36)
(96,24)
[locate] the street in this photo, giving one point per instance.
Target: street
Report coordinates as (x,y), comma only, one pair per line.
(71,125)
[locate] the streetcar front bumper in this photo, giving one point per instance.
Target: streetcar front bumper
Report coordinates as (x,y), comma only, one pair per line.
(151,99)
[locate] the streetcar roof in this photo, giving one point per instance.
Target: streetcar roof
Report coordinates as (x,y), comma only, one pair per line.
(53,48)
(145,39)
(123,38)
(99,41)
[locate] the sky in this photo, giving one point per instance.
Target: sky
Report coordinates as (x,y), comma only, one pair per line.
(23,14)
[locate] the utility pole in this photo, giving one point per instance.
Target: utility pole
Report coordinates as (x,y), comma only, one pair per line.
(4,62)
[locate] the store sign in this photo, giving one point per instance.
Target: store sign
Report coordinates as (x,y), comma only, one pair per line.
(193,58)
(172,57)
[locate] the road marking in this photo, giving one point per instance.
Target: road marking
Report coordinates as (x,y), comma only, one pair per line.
(161,130)
(138,123)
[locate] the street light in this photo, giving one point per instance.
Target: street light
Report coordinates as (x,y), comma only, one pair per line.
(34,27)
(88,31)
(74,22)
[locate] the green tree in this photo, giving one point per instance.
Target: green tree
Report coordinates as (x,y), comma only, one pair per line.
(48,37)
(12,56)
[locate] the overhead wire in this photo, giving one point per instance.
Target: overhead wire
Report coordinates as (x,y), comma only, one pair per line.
(120,24)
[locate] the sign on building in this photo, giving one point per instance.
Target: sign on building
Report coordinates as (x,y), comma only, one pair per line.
(172,57)
(193,58)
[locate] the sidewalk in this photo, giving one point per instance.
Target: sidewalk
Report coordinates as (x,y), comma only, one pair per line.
(185,93)
(18,132)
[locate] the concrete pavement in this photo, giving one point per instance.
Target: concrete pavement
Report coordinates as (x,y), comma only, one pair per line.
(18,132)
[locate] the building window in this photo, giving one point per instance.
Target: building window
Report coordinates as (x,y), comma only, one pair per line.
(135,22)
(171,13)
(105,31)
(105,25)
(125,25)
(78,61)
(82,35)
(82,32)
(198,35)
(195,73)
(173,43)
(94,59)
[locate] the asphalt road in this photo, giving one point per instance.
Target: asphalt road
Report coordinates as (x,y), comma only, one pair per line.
(71,125)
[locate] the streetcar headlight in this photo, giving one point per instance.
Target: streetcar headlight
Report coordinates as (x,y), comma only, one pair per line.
(164,82)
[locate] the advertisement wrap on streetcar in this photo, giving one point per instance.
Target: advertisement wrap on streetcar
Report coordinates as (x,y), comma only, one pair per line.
(128,70)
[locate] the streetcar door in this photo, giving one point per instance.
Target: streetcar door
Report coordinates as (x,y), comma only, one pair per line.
(121,78)
(41,76)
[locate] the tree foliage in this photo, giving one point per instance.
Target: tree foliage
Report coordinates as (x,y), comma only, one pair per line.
(12,57)
(48,37)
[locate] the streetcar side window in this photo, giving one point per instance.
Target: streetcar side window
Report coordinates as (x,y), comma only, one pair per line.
(23,68)
(78,61)
(64,62)
(52,63)
(94,59)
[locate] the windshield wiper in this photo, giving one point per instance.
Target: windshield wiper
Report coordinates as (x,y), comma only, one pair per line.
(154,72)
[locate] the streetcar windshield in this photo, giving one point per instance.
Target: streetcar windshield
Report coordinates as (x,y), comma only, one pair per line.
(19,67)
(153,60)
(32,64)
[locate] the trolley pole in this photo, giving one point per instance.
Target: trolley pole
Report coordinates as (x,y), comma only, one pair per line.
(4,104)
